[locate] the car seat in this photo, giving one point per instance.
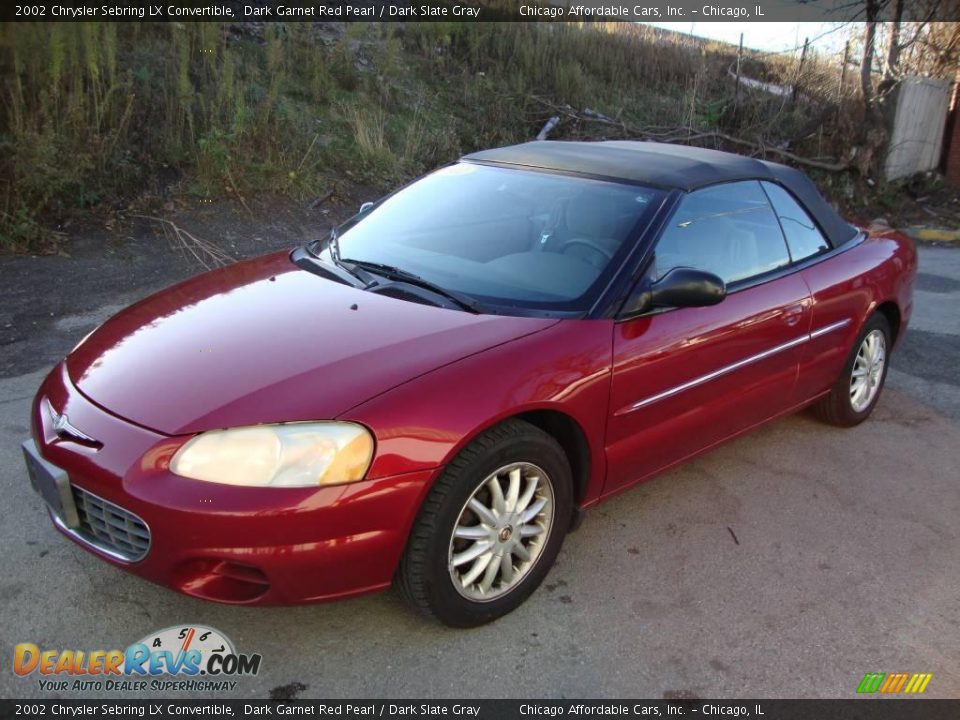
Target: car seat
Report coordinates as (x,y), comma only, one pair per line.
(598,221)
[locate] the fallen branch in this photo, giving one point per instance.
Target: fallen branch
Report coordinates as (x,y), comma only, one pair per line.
(205,253)
(838,166)
(687,135)
(548,128)
(236,191)
(318,201)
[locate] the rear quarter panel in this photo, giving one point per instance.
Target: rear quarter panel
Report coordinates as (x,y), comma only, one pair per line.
(852,285)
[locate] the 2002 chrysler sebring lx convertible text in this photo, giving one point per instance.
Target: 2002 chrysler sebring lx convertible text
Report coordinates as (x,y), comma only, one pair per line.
(431,395)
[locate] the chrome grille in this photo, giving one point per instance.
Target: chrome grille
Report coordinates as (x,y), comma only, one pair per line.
(109,527)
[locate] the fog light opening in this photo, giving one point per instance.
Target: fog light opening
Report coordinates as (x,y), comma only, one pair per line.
(221,580)
(244,573)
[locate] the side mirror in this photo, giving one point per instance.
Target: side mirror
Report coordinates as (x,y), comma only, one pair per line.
(366,206)
(680,287)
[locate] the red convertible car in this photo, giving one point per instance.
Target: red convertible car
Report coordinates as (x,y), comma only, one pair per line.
(433,394)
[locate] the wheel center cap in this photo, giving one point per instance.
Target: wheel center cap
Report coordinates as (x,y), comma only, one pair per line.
(505,533)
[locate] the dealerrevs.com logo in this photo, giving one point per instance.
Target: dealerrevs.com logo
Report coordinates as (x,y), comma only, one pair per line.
(177,658)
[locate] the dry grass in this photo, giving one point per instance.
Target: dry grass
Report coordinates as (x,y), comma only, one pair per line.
(369,130)
(91,114)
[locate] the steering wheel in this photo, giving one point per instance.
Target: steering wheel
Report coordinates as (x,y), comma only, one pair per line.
(586,242)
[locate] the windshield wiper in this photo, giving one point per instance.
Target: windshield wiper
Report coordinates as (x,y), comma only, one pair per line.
(391,272)
(305,258)
(333,245)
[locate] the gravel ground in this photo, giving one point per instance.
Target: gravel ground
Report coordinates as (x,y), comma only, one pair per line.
(785,564)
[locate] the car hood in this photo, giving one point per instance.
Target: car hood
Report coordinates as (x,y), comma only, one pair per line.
(264,341)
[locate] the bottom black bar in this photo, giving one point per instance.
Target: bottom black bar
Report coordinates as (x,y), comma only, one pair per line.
(854,709)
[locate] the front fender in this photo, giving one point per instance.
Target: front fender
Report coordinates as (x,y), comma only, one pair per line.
(425,422)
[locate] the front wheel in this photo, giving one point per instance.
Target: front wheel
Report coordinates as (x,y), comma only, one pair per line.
(490,528)
(857,390)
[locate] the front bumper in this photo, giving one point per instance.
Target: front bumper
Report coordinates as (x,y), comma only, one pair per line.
(220,542)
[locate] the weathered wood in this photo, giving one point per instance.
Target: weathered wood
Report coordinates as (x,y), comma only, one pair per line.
(803,59)
(548,127)
(736,88)
(843,71)
(916,137)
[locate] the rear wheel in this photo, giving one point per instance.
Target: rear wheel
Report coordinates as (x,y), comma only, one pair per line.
(490,528)
(857,390)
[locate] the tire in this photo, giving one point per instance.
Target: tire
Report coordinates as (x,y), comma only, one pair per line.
(428,578)
(839,407)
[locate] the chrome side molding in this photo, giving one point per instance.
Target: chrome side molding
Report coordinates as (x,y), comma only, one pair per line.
(732,367)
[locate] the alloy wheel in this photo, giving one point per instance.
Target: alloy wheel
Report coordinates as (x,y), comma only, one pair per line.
(867,371)
(501,531)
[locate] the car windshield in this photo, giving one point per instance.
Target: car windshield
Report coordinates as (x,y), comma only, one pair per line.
(505,237)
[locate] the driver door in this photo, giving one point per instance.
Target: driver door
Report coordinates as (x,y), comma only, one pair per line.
(685,379)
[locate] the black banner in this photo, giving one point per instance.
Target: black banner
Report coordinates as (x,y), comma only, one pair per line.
(865,709)
(461,10)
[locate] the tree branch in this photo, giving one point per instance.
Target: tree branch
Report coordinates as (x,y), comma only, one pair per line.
(685,134)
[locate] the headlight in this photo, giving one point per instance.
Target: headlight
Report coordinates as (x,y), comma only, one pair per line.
(289,455)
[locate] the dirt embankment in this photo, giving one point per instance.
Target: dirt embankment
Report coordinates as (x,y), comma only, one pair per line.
(49,302)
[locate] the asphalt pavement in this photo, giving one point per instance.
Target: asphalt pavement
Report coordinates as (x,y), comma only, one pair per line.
(785,564)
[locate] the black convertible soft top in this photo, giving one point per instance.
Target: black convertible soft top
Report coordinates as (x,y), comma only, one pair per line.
(667,166)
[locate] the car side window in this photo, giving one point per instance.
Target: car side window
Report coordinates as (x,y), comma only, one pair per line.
(729,230)
(803,236)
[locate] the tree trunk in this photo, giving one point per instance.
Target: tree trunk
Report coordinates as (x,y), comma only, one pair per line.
(891,73)
(866,64)
(872,143)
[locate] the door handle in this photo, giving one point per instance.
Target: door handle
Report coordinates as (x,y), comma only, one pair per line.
(792,315)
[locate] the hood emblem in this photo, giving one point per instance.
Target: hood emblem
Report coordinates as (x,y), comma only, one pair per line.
(63,428)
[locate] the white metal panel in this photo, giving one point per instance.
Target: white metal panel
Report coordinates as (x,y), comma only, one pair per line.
(916,139)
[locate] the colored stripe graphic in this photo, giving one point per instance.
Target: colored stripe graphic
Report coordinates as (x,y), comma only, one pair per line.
(918,683)
(893,683)
(871,682)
